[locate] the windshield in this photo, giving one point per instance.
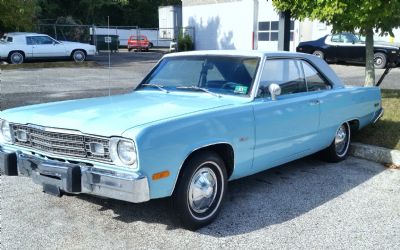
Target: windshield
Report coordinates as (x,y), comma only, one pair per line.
(231,75)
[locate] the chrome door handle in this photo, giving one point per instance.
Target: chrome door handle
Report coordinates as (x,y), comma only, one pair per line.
(314,102)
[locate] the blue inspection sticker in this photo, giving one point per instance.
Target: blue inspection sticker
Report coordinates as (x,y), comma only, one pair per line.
(240,90)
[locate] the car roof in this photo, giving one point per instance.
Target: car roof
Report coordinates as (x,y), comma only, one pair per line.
(24,34)
(256,53)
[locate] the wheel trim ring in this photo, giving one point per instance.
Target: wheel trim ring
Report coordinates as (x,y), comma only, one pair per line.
(221,192)
(346,139)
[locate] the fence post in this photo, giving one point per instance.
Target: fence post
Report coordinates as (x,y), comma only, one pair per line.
(55,31)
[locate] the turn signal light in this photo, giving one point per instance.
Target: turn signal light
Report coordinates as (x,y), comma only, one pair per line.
(160,175)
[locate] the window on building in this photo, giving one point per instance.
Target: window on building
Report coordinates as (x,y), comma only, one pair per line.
(268,31)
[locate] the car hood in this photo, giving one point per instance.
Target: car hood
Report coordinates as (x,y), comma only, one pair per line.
(113,115)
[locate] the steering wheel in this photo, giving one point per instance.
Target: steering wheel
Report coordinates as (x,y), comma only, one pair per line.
(229,85)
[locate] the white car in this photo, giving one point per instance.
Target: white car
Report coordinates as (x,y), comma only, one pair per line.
(18,46)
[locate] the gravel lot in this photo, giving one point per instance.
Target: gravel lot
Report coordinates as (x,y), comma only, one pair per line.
(306,204)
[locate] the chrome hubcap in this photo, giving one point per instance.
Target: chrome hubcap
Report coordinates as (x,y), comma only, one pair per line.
(318,54)
(341,140)
(78,56)
(378,61)
(202,190)
(16,58)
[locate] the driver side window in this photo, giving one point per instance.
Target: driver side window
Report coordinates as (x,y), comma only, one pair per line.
(287,73)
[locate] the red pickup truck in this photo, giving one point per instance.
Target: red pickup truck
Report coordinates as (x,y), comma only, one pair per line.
(139,43)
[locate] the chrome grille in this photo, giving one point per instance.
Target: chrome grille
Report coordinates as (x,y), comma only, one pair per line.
(61,143)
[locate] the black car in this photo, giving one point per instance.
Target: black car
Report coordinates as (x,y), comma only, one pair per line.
(347,47)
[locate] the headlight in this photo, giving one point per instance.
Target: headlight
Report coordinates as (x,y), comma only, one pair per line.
(123,152)
(5,132)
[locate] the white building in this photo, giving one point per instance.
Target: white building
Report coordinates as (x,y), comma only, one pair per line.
(246,24)
(169,21)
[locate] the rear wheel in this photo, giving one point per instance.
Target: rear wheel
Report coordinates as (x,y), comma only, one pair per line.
(16,57)
(319,54)
(78,56)
(339,148)
(200,190)
(380,60)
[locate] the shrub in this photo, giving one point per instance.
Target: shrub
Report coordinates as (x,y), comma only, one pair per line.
(185,42)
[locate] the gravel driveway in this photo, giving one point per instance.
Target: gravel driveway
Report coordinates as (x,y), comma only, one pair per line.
(306,204)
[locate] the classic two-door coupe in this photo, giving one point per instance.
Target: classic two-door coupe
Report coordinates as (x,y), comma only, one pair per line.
(347,47)
(196,121)
(20,46)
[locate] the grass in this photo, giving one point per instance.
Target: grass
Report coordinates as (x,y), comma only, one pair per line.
(386,132)
(51,64)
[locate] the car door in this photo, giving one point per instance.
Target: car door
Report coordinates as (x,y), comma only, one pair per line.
(30,43)
(352,50)
(45,46)
(284,128)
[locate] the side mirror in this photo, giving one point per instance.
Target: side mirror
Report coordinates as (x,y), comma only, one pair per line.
(274,90)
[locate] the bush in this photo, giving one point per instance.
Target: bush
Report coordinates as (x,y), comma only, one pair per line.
(185,42)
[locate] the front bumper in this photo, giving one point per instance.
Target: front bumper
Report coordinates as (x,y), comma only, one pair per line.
(58,177)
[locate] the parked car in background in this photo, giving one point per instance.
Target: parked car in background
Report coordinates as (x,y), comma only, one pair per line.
(139,43)
(19,46)
(348,47)
(196,121)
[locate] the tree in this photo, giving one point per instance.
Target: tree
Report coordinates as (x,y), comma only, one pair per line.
(17,15)
(365,16)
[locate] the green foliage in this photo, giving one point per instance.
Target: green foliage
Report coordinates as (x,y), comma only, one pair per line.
(17,15)
(346,15)
(143,13)
(22,15)
(185,42)
(365,16)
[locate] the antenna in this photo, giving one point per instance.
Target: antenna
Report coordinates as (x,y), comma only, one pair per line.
(109,55)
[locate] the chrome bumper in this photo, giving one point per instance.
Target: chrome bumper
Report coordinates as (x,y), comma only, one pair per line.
(63,177)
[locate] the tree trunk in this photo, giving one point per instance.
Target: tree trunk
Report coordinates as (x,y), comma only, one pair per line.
(369,58)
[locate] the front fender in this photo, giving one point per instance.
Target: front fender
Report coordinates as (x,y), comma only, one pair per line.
(164,146)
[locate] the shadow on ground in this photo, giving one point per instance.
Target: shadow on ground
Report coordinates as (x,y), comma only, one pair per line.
(271,197)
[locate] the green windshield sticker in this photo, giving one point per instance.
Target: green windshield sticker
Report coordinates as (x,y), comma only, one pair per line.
(241,90)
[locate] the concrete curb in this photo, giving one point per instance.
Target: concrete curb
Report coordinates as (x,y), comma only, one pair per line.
(374,153)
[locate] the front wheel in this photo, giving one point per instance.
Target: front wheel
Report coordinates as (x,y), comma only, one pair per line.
(200,190)
(78,56)
(339,148)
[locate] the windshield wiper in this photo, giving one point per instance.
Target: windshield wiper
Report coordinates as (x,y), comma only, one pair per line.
(199,88)
(160,87)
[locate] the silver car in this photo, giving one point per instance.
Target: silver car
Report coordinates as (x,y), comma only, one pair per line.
(20,46)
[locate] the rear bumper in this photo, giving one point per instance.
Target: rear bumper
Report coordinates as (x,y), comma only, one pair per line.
(61,177)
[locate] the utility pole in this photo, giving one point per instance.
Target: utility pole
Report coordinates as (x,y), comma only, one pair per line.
(284,31)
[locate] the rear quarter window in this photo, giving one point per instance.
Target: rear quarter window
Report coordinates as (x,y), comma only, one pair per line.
(9,39)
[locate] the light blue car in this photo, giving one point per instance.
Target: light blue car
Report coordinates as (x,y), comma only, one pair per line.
(198,120)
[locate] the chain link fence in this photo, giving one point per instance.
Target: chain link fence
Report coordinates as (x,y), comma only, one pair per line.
(92,34)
